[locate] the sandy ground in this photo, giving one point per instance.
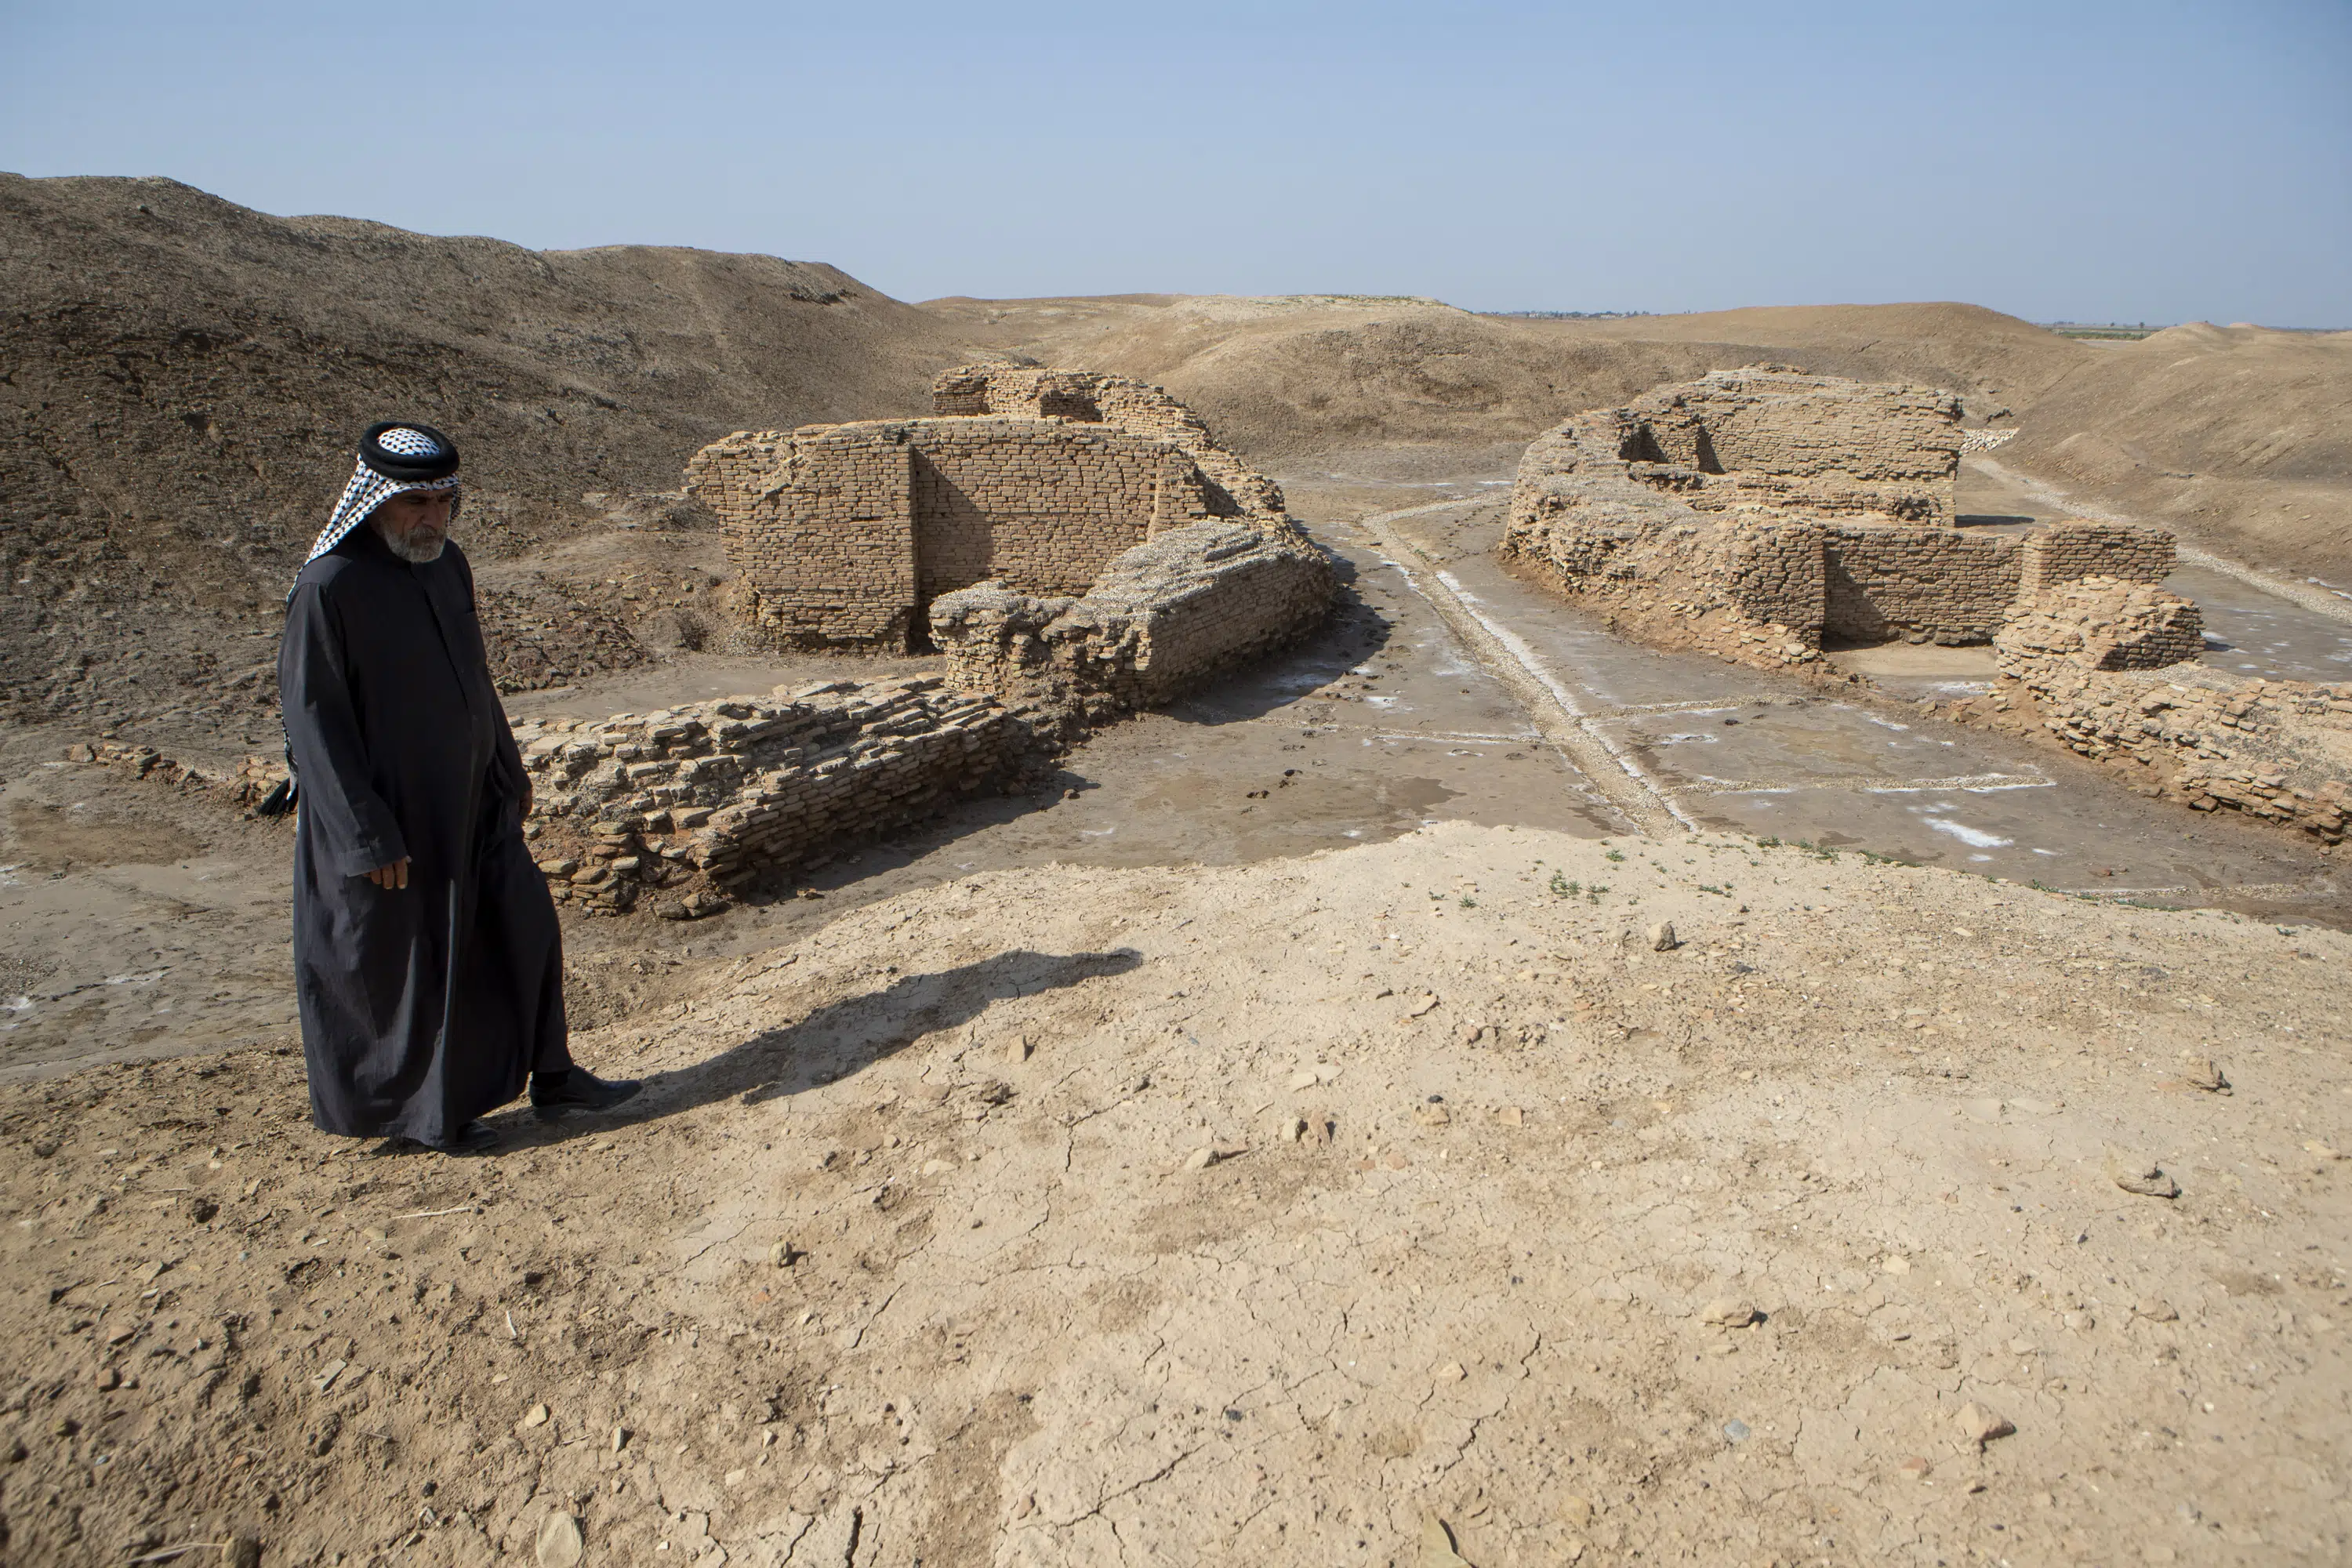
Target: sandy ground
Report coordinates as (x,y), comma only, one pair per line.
(1481,1165)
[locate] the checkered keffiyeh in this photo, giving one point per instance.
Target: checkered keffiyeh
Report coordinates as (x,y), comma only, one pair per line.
(394,458)
(368,490)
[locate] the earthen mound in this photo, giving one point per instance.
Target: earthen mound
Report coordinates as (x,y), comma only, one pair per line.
(185,376)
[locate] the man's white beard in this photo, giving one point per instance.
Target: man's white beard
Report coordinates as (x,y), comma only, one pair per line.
(415,554)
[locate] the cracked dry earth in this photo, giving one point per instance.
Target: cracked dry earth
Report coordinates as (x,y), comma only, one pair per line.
(1261,1214)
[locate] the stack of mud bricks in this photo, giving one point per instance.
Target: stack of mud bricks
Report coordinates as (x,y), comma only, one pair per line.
(2111,665)
(1163,619)
(1042,392)
(723,791)
(2100,623)
(2065,552)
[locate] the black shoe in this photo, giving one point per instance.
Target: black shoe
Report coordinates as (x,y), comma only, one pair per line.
(465,1137)
(580,1090)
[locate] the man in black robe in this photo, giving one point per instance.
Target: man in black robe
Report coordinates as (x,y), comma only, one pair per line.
(428,963)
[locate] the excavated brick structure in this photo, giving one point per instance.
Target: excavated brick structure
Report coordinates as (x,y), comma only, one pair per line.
(1165,617)
(1758,513)
(1028,478)
(712,795)
(2111,669)
(2100,623)
(1077,545)
(1086,396)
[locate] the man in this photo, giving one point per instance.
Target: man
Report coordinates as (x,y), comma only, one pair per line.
(428,964)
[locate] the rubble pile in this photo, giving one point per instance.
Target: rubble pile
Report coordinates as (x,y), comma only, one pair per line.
(2278,750)
(1164,617)
(2101,623)
(542,636)
(247,784)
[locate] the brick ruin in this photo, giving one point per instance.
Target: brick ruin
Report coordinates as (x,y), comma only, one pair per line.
(701,799)
(2111,671)
(1761,513)
(1181,609)
(1764,512)
(1075,545)
(1031,478)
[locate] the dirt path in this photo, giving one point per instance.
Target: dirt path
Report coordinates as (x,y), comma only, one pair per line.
(1551,706)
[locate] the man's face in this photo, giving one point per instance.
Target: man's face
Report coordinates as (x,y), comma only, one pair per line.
(416,524)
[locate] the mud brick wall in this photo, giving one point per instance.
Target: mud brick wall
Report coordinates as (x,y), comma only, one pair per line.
(1935,585)
(1825,497)
(1189,605)
(1040,505)
(2280,750)
(1044,392)
(718,792)
(2064,551)
(1778,576)
(820,526)
(1817,427)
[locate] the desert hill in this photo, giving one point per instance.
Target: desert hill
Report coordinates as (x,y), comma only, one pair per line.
(2239,436)
(185,376)
(2235,437)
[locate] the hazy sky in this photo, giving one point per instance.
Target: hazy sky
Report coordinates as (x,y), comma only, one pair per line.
(2092,161)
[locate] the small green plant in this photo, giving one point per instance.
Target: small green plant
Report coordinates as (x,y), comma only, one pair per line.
(1592,894)
(1562,888)
(1768,844)
(1468,902)
(1614,855)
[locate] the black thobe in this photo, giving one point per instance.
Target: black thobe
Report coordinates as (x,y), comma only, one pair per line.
(424,1005)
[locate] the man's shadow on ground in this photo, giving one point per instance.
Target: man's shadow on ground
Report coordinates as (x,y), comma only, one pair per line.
(833,1042)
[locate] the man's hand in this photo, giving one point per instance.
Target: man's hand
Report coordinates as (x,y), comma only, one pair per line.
(393,876)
